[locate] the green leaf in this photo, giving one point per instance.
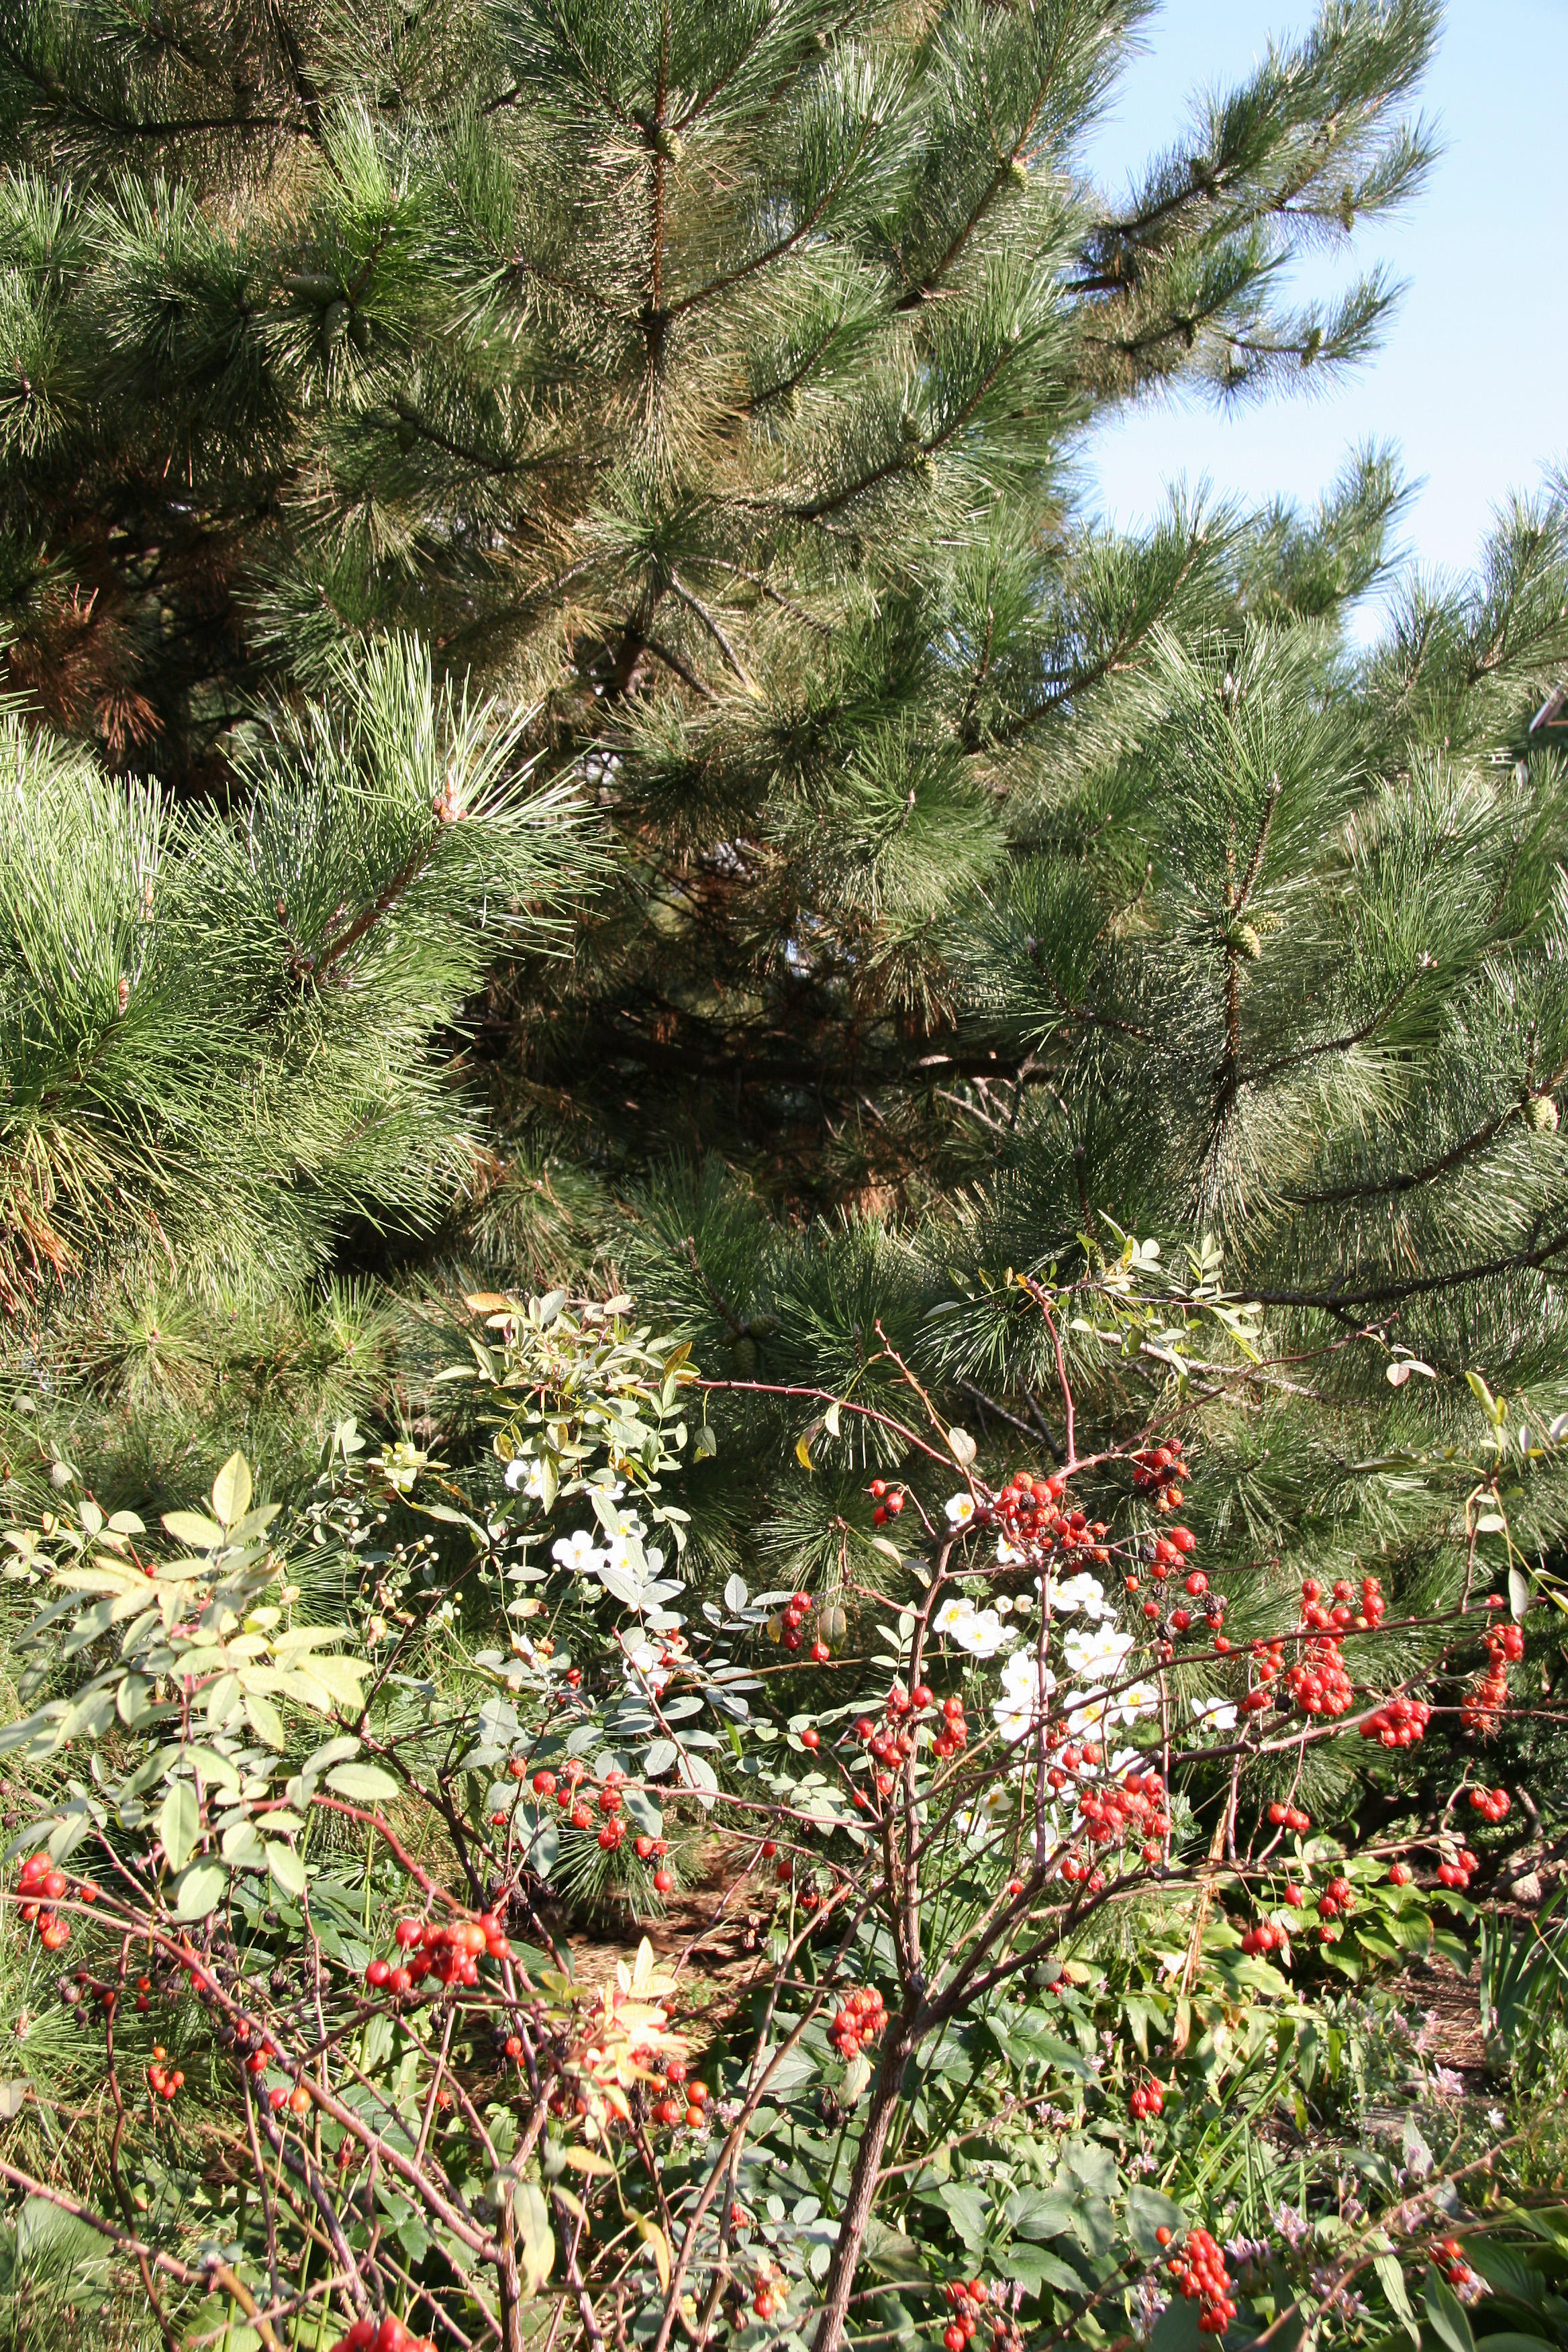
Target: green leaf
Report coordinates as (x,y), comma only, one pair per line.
(365,1783)
(535,2239)
(231,1490)
(1391,2278)
(1446,2316)
(1178,2328)
(200,1890)
(191,1528)
(179,1823)
(1512,2341)
(264,1719)
(286,1867)
(1147,2211)
(1517,1594)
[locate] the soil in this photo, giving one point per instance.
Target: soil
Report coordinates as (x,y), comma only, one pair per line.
(713,1931)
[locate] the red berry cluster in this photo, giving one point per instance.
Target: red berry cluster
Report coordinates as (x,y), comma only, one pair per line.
(1460,1871)
(1338,1895)
(891,1742)
(773,2288)
(1338,1613)
(1147,2098)
(889,1501)
(1505,1646)
(1113,1814)
(259,2059)
(389,2336)
(1319,1683)
(796,1610)
(43,1882)
(1289,1817)
(451,1954)
(1267,1936)
(1269,1663)
(1200,2274)
(968,2299)
(162,2080)
(860,2020)
(1398,1723)
(1449,2257)
(675,2100)
(1492,1804)
(1158,1471)
(1028,1512)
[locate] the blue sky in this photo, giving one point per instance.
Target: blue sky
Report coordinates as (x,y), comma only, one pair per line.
(1471,378)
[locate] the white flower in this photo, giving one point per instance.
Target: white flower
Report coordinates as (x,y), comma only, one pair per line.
(996,1803)
(1446,2083)
(577,1551)
(1496,2117)
(1097,1651)
(983,1634)
(644,1669)
(624,1552)
(1218,1713)
(1008,1555)
(527,1471)
(960,1510)
(953,1613)
(1003,1604)
(1136,1701)
(1087,1711)
(1026,1686)
(1081,1591)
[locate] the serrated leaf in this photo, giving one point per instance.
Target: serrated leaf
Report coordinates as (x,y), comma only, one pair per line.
(286,1867)
(1148,2212)
(194,1528)
(179,1823)
(364,1784)
(231,1490)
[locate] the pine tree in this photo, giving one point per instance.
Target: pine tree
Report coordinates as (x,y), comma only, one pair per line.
(706,385)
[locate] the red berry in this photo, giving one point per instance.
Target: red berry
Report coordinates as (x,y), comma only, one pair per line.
(662,1882)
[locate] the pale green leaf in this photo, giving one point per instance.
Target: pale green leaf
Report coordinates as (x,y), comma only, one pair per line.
(194,1528)
(363,1783)
(200,1890)
(231,1490)
(179,1823)
(286,1867)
